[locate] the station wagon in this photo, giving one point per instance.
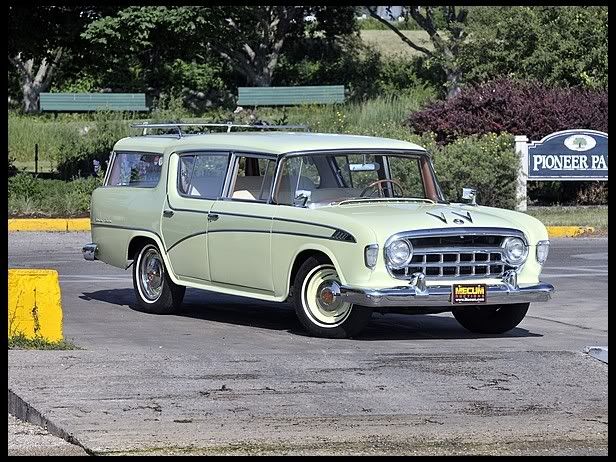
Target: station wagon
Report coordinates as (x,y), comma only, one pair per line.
(338,225)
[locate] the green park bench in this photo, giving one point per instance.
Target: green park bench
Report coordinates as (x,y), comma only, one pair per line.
(289,96)
(84,102)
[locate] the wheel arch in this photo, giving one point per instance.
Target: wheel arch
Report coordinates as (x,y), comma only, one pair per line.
(137,242)
(304,254)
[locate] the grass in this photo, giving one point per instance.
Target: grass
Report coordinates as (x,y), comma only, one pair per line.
(389,44)
(26,131)
(587,215)
(46,198)
(45,166)
(20,342)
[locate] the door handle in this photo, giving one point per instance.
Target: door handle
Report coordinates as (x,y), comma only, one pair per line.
(212,217)
(168,213)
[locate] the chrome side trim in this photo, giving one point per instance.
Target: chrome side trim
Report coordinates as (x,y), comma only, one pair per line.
(89,251)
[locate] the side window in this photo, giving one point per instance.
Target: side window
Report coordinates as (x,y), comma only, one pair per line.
(202,175)
(135,169)
(297,174)
(253,178)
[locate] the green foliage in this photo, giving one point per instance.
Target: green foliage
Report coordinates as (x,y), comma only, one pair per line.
(95,142)
(363,70)
(83,82)
(21,342)
(30,196)
(347,62)
(564,45)
(25,185)
(11,170)
(26,131)
(487,163)
(554,215)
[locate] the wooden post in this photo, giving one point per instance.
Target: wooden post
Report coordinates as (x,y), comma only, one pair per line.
(36,158)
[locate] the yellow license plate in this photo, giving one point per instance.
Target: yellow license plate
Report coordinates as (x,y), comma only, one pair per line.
(469,293)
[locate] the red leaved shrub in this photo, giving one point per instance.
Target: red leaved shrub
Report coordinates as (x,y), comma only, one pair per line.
(512,106)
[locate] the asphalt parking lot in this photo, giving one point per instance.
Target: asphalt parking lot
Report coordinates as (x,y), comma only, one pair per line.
(230,375)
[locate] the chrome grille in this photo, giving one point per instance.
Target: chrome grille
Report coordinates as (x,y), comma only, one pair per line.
(476,255)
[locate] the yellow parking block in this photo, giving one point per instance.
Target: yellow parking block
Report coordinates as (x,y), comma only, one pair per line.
(568,231)
(49,224)
(35,304)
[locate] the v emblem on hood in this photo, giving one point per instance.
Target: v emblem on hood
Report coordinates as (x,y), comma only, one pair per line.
(440,217)
(467,216)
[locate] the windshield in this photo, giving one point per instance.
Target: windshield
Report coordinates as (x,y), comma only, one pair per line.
(321,179)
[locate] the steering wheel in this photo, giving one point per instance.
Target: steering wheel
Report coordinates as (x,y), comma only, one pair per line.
(379,183)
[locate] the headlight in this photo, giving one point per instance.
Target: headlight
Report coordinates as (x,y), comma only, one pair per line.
(515,251)
(543,247)
(399,253)
(371,253)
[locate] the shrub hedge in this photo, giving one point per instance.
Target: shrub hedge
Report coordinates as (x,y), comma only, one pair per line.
(486,162)
(31,196)
(516,107)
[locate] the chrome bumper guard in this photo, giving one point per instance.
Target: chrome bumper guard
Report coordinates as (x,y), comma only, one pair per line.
(418,294)
(89,252)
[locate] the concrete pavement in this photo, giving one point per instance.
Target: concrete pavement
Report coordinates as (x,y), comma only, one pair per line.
(230,375)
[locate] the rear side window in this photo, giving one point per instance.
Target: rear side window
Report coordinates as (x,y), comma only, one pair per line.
(202,176)
(135,169)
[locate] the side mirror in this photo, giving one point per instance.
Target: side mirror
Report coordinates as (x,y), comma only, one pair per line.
(301,197)
(469,196)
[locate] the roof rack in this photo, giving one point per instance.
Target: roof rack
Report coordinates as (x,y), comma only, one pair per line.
(228,126)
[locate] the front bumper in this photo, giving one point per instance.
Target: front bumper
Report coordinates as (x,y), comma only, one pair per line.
(417,293)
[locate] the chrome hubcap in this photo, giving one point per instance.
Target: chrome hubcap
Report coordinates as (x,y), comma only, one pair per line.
(151,271)
(320,300)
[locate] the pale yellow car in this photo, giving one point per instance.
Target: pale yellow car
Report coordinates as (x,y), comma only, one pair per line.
(340,225)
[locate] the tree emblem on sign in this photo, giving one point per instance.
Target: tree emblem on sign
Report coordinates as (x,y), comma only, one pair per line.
(580,142)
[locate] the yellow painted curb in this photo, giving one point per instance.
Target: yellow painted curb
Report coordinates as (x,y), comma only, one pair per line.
(35,304)
(49,224)
(568,231)
(78,224)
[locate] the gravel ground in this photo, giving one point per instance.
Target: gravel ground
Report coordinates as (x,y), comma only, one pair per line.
(25,439)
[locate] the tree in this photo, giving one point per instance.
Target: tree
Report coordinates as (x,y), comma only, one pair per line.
(259,34)
(446,27)
(39,38)
(563,46)
(248,38)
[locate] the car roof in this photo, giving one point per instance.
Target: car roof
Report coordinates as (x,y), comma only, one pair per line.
(277,143)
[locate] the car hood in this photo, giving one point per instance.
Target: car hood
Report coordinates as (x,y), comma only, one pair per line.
(387,218)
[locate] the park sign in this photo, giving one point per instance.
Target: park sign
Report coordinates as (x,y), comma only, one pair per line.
(569,155)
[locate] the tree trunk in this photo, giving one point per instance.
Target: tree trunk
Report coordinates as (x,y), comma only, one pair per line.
(454,77)
(30,96)
(33,84)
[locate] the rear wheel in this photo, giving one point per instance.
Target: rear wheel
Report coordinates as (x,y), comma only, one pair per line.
(316,306)
(491,319)
(155,291)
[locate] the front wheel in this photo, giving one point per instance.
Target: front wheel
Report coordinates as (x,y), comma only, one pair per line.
(316,306)
(156,292)
(491,319)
